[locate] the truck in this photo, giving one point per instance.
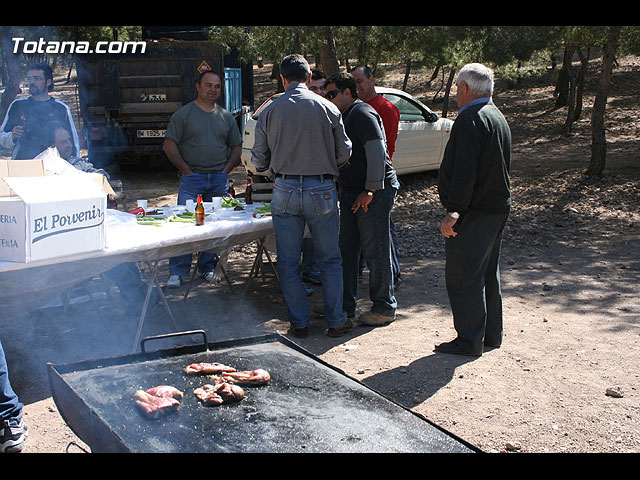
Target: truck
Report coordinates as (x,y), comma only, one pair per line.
(127,99)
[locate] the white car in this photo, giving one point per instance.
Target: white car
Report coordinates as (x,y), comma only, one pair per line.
(422,134)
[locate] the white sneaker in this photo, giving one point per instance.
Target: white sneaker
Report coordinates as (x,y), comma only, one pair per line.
(12,436)
(174,281)
(207,276)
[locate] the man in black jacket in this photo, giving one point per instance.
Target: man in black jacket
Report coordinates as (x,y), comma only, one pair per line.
(474,188)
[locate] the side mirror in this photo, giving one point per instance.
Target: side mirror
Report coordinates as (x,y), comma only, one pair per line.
(431,117)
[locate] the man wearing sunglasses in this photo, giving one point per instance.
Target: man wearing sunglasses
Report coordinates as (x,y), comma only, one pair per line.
(368,188)
(301,142)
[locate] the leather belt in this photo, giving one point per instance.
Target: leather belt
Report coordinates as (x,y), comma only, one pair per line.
(326,176)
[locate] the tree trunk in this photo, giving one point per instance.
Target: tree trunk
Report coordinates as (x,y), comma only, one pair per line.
(440,87)
(445,107)
(434,75)
(562,85)
(570,98)
(13,71)
(580,84)
(71,64)
(275,75)
(598,140)
(407,72)
(328,53)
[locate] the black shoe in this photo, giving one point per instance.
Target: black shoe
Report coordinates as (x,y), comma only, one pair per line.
(397,283)
(339,331)
(455,348)
(298,332)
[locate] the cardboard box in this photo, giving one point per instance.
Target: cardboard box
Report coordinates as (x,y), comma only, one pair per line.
(48,211)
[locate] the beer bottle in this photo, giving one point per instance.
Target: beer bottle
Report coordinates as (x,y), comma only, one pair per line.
(199,211)
(232,191)
(248,193)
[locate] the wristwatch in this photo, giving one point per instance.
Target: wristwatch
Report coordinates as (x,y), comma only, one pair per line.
(455,215)
(370,193)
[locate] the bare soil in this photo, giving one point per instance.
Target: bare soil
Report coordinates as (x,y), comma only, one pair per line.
(570,274)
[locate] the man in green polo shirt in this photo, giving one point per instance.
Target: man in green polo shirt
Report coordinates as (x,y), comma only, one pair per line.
(203,142)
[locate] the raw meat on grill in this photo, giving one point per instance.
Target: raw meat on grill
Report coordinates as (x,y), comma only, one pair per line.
(230,392)
(207,368)
(253,377)
(212,395)
(165,391)
(155,407)
(216,379)
(208,396)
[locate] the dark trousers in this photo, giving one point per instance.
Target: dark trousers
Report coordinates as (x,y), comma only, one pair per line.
(368,233)
(395,263)
(472,276)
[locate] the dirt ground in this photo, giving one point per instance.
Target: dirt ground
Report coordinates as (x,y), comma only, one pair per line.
(566,377)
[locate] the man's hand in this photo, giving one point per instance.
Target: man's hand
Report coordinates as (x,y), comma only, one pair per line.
(363,200)
(16,133)
(446,226)
(233,160)
(173,154)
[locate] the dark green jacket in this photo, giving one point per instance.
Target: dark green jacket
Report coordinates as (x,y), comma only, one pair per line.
(474,175)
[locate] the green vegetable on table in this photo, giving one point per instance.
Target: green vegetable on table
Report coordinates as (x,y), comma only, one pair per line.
(230,202)
(265,208)
(149,221)
(185,217)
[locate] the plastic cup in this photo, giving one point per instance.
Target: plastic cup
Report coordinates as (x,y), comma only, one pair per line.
(143,204)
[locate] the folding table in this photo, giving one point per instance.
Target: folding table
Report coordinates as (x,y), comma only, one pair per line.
(28,286)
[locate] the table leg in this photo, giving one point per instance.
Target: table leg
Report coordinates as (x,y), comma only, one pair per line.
(257,264)
(219,267)
(153,280)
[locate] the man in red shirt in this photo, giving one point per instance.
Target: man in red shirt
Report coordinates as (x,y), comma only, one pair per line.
(390,118)
(388,111)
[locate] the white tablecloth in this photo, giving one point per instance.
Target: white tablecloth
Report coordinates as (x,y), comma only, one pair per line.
(27,286)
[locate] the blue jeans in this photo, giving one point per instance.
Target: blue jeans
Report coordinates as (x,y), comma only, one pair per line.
(368,233)
(308,260)
(209,185)
(297,201)
(10,406)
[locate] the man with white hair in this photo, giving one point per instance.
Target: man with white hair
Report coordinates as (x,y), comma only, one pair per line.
(474,188)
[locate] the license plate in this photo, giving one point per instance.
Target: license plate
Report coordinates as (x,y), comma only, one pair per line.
(153,97)
(151,133)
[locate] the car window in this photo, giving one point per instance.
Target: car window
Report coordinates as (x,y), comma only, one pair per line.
(409,112)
